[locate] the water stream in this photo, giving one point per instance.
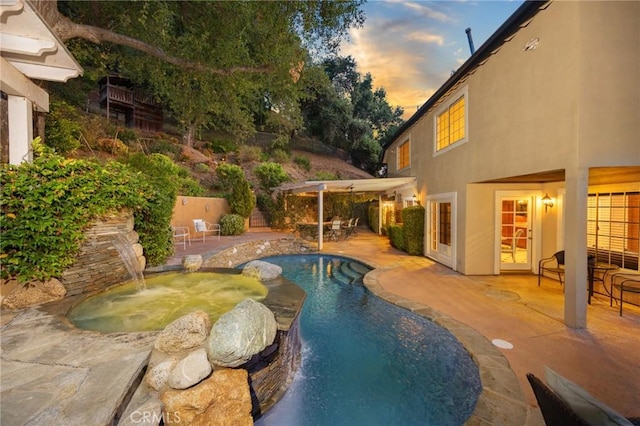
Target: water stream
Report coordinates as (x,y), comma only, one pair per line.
(130,260)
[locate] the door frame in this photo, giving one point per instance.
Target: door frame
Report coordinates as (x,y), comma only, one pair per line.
(535,222)
(447,197)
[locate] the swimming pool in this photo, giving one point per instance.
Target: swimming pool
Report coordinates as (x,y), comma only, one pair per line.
(368,362)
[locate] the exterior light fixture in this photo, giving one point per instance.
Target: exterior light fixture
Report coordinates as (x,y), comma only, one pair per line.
(547,201)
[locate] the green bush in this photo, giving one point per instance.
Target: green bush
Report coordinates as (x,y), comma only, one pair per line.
(231,224)
(47,205)
(322,175)
(153,224)
(303,162)
(164,146)
(127,135)
(222,146)
(237,189)
(270,175)
(62,130)
(280,156)
(373,217)
(248,153)
(413,230)
(396,236)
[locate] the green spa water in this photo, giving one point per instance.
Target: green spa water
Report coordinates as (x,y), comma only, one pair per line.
(166,298)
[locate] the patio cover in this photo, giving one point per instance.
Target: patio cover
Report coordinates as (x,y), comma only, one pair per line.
(380,186)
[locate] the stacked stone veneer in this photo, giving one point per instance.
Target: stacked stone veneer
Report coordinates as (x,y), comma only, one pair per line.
(242,253)
(99,264)
(272,370)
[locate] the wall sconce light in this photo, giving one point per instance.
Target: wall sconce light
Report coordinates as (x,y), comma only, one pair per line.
(184,201)
(415,200)
(547,201)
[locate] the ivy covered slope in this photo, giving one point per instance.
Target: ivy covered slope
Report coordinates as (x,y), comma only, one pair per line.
(47,205)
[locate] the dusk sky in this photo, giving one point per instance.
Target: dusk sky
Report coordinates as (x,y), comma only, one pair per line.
(411,47)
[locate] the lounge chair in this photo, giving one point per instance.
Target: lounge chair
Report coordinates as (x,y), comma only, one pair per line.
(181,235)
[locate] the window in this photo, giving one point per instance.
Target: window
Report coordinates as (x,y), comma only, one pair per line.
(613,228)
(403,155)
(451,123)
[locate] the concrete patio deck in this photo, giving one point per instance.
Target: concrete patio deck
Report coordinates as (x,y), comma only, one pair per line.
(604,358)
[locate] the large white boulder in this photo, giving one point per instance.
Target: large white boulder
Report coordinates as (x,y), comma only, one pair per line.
(264,271)
(186,333)
(190,370)
(242,332)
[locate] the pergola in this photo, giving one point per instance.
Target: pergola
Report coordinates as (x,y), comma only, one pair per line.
(29,50)
(381,187)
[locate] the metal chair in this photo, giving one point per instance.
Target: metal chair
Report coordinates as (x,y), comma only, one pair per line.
(181,233)
(554,264)
(336,230)
(555,410)
(204,227)
(629,283)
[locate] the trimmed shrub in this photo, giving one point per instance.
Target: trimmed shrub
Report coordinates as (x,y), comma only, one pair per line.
(396,236)
(413,230)
(373,215)
(231,224)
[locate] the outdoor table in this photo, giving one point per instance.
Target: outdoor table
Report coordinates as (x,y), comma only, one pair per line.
(594,267)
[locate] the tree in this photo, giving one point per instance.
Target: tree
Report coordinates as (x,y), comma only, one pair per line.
(208,61)
(345,111)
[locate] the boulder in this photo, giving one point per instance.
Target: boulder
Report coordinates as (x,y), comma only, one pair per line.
(264,271)
(190,370)
(185,333)
(34,293)
(158,375)
(222,399)
(192,262)
(241,333)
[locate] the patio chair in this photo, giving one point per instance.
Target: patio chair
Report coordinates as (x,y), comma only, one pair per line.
(336,230)
(553,264)
(348,228)
(204,227)
(563,402)
(512,248)
(624,282)
(181,234)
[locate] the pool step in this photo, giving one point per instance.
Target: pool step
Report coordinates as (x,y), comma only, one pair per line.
(347,272)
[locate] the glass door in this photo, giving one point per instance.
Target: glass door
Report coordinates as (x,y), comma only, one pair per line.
(515,233)
(441,229)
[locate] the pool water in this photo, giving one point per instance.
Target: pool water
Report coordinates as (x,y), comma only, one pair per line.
(366,361)
(166,298)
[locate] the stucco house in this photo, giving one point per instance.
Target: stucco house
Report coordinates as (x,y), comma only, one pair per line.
(533,146)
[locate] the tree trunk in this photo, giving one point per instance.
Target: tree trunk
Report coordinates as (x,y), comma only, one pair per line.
(190,136)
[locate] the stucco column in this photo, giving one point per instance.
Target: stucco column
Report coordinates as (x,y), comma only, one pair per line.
(575,244)
(20,129)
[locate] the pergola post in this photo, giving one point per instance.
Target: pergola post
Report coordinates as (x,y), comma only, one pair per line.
(320,219)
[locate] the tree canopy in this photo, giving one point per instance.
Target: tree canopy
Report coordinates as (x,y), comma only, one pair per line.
(211,63)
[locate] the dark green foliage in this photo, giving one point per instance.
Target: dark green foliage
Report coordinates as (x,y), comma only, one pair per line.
(303,162)
(47,204)
(237,189)
(413,229)
(164,146)
(62,129)
(374,217)
(127,135)
(396,236)
(232,224)
(152,224)
(242,201)
(222,146)
(270,175)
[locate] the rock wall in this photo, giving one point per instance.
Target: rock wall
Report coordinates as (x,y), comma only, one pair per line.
(271,372)
(99,264)
(232,257)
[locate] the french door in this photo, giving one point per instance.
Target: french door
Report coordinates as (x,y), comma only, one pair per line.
(514,233)
(441,214)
